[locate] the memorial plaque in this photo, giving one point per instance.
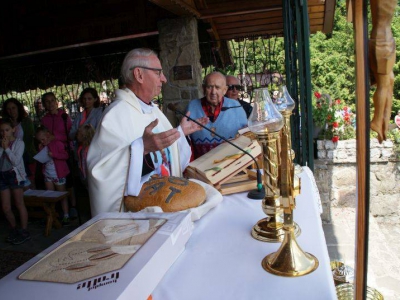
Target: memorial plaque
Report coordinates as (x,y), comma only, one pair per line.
(183,72)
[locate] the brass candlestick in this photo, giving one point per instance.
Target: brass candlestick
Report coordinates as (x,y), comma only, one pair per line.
(286,177)
(290,260)
(270,229)
(285,104)
(265,122)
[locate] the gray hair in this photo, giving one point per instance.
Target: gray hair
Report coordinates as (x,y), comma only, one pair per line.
(135,57)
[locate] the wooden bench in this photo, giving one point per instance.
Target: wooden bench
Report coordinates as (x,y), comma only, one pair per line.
(47,200)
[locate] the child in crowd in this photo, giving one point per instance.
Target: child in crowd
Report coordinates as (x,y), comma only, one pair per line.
(59,123)
(84,137)
(55,170)
(12,177)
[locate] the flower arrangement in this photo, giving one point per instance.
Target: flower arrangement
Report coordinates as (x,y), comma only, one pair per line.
(334,118)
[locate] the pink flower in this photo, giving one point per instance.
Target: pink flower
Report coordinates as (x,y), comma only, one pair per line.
(337,101)
(335,139)
(317,95)
(345,108)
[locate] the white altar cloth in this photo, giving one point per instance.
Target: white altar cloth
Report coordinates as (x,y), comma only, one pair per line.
(223,261)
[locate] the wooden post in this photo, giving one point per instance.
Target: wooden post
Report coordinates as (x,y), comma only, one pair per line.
(362,118)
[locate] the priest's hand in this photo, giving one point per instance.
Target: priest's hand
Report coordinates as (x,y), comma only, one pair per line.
(157,141)
(189,127)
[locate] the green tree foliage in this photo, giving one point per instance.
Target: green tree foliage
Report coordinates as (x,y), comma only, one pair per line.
(332,60)
(333,64)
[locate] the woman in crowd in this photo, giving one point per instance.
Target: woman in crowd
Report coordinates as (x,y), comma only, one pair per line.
(91,114)
(23,130)
(56,120)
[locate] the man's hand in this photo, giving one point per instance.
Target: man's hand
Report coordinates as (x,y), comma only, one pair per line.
(189,127)
(157,141)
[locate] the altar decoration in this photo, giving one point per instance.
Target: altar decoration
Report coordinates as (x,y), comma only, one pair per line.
(212,198)
(226,167)
(267,123)
(112,256)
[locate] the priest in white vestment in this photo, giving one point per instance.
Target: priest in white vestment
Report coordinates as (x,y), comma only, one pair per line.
(134,139)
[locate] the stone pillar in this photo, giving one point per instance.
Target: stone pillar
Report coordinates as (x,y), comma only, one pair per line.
(180,58)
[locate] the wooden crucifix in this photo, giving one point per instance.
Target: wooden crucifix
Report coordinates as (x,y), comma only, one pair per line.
(382,57)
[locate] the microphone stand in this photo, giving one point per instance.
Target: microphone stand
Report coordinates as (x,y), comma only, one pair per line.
(224,108)
(71,165)
(258,193)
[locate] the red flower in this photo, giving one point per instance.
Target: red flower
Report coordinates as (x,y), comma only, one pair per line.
(335,124)
(317,95)
(335,139)
(345,108)
(337,101)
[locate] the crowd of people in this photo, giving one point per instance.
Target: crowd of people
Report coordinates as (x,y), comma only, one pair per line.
(116,149)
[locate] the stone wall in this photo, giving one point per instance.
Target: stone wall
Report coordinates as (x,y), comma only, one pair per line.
(335,172)
(179,50)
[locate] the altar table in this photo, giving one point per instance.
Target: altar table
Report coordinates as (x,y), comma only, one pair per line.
(222,261)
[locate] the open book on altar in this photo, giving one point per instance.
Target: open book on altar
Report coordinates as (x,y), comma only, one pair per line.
(225,167)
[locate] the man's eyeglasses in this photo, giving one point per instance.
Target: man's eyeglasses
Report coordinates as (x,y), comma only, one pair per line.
(238,87)
(158,71)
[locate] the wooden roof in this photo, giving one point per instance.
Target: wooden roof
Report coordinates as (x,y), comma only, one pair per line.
(231,19)
(28,27)
(36,32)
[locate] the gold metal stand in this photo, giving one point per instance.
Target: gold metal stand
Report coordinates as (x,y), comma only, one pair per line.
(270,229)
(290,260)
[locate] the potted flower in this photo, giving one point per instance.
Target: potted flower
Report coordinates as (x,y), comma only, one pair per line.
(332,119)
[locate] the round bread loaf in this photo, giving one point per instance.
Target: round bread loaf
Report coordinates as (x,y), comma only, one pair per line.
(170,193)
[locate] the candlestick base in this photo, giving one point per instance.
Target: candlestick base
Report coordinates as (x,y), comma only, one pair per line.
(270,230)
(290,260)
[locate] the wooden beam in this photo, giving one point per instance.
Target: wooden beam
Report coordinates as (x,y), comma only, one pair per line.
(314,29)
(179,7)
(362,152)
(121,38)
(239,8)
(244,35)
(250,23)
(329,16)
(252,31)
(316,2)
(317,8)
(319,15)
(246,17)
(314,22)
